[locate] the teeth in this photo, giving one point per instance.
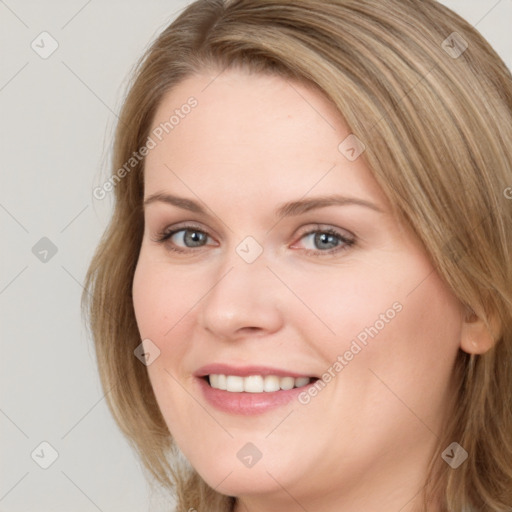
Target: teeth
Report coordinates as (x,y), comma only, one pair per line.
(221,381)
(256,383)
(271,383)
(287,383)
(218,381)
(253,384)
(302,381)
(234,383)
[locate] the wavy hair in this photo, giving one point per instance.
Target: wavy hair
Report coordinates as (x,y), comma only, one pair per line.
(432,102)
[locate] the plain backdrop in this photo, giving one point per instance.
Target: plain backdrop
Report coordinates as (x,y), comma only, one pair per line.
(57,119)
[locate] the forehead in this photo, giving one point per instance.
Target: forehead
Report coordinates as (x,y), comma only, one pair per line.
(253,130)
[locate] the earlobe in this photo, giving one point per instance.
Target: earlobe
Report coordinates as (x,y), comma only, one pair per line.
(476,335)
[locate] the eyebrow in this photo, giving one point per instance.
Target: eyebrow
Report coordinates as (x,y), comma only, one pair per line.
(288,209)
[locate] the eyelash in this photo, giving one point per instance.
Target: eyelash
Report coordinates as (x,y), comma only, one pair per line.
(165,235)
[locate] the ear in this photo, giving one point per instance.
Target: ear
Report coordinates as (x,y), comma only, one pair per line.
(476,335)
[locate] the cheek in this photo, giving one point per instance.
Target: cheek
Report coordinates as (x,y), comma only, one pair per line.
(162,298)
(397,328)
(341,305)
(402,344)
(422,343)
(405,305)
(163,303)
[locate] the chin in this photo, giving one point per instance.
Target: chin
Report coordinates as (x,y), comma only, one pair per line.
(228,475)
(241,481)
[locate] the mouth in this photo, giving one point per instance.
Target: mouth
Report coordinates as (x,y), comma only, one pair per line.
(256,383)
(250,390)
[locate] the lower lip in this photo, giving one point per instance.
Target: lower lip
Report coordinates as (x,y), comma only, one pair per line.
(245,403)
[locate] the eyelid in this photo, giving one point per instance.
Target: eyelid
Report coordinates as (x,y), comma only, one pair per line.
(167,232)
(185,225)
(326,228)
(348,239)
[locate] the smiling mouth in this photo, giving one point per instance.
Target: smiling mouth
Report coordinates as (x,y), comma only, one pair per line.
(256,383)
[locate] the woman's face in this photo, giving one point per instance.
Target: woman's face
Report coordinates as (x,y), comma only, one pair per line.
(287,265)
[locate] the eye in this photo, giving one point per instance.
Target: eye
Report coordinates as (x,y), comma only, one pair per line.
(318,242)
(184,238)
(326,241)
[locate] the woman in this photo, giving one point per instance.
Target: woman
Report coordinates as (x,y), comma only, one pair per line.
(303,300)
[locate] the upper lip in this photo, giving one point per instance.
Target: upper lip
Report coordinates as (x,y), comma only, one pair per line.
(245,371)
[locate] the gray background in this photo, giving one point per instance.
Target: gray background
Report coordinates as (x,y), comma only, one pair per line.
(57,119)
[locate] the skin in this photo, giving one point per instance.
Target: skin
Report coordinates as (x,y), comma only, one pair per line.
(363,443)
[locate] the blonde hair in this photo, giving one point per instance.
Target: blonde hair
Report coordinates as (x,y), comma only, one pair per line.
(436,120)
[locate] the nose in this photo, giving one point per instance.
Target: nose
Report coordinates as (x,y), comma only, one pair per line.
(245,299)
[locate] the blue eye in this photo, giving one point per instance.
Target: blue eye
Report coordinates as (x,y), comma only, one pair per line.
(190,237)
(325,241)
